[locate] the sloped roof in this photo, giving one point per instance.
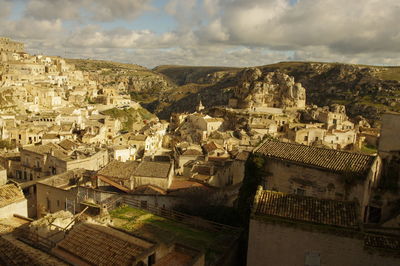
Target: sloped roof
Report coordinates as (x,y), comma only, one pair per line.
(117,169)
(101,245)
(307,209)
(68,145)
(10,194)
(242,156)
(150,190)
(42,149)
(125,170)
(153,169)
(329,159)
(13,252)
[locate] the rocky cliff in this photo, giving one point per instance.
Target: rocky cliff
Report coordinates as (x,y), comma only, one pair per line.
(273,89)
(364,90)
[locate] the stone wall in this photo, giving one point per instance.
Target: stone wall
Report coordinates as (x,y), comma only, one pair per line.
(275,244)
(52,199)
(292,178)
(389,139)
(20,208)
(3,176)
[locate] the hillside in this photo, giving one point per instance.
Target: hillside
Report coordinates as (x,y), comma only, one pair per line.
(182,75)
(130,116)
(144,85)
(365,90)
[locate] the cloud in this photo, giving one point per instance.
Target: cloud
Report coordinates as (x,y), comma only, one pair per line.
(54,9)
(106,10)
(5,9)
(31,29)
(342,25)
(97,10)
(209,32)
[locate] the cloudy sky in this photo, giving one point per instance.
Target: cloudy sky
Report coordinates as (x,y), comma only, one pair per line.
(208,32)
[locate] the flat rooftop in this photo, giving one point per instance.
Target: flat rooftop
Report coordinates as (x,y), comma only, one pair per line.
(168,232)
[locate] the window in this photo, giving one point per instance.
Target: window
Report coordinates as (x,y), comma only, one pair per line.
(48,204)
(305,138)
(151,260)
(58,203)
(316,138)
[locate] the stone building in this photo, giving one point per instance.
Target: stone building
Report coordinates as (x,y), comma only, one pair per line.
(127,176)
(51,159)
(389,151)
(7,45)
(294,230)
(319,172)
(60,192)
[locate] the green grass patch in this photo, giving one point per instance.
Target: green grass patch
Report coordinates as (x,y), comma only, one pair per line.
(368,149)
(168,231)
(390,73)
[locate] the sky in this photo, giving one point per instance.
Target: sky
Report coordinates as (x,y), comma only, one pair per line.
(208,32)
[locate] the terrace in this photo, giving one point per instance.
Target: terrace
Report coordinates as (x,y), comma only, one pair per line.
(216,244)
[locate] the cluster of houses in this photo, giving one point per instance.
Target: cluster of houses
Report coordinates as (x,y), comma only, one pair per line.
(327,207)
(66,157)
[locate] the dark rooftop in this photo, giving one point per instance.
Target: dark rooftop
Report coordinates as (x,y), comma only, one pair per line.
(117,169)
(101,245)
(153,169)
(307,209)
(125,170)
(329,159)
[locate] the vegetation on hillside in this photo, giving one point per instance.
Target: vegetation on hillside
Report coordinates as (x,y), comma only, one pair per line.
(94,65)
(129,116)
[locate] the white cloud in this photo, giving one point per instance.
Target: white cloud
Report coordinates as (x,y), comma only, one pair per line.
(98,10)
(212,32)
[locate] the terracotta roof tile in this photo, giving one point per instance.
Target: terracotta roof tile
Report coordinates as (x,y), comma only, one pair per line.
(153,169)
(117,169)
(12,255)
(307,209)
(100,245)
(333,160)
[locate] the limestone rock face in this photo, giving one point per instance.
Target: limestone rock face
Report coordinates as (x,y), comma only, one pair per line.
(273,89)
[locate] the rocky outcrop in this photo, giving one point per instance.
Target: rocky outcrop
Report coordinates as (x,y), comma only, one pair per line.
(272,89)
